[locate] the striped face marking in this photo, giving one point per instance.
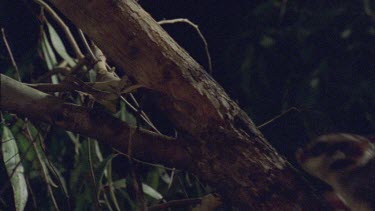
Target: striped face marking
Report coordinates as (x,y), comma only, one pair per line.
(331,154)
(341,160)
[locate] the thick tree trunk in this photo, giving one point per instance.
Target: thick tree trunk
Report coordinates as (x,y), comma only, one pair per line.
(226,148)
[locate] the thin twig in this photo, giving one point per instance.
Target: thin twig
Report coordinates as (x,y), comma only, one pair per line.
(86,44)
(144,162)
(107,202)
(143,115)
(176,203)
(64,27)
(71,86)
(196,27)
(111,188)
(11,55)
(61,68)
(278,116)
(135,178)
(31,193)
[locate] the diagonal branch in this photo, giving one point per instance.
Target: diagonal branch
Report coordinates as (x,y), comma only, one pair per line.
(22,99)
(227,149)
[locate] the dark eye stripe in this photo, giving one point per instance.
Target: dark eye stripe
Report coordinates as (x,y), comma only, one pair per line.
(347,148)
(343,147)
(341,164)
(318,149)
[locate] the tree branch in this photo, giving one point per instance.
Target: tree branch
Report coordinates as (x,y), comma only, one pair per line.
(22,99)
(227,149)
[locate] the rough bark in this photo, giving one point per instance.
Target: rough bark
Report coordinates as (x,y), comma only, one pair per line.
(227,150)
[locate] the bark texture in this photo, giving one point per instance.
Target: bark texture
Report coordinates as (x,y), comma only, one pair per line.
(226,148)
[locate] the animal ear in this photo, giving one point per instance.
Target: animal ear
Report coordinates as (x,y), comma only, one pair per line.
(363,144)
(358,147)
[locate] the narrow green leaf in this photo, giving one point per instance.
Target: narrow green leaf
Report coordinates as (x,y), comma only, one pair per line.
(14,168)
(100,169)
(98,153)
(151,192)
(48,53)
(49,56)
(165,176)
(111,188)
(121,183)
(44,163)
(42,159)
(75,139)
(58,45)
(153,178)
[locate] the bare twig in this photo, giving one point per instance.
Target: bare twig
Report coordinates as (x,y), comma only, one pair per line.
(196,27)
(62,68)
(86,44)
(64,27)
(49,87)
(107,203)
(31,193)
(146,163)
(176,203)
(279,116)
(143,115)
(11,55)
(111,189)
(71,85)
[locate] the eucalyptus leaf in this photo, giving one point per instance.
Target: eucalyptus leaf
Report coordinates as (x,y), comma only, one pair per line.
(100,169)
(49,56)
(148,190)
(48,53)
(151,192)
(118,184)
(14,168)
(58,45)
